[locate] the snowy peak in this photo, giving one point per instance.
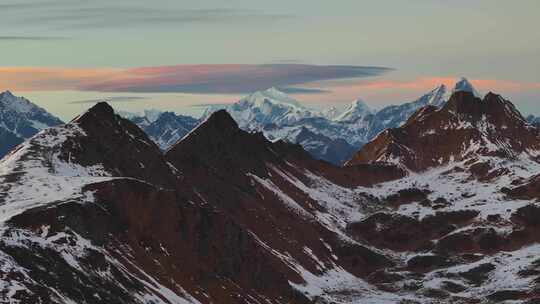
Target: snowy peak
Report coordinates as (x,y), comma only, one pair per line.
(20,119)
(356,110)
(19,105)
(437,96)
(264,107)
(273,94)
(464,85)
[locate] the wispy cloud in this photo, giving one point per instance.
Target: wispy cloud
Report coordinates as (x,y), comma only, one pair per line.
(199,79)
(77,14)
(111,99)
(228,78)
(31,38)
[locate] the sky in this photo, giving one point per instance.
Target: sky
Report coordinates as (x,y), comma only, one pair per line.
(181,55)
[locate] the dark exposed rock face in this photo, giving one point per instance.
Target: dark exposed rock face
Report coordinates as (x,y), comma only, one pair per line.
(466,126)
(529,190)
(200,220)
(118,145)
(402,233)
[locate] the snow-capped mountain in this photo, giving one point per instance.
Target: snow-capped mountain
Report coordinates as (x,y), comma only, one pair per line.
(396,115)
(145,118)
(358,109)
(20,119)
(263,108)
(359,124)
(94,210)
(335,151)
(164,128)
(464,85)
(465,128)
(330,113)
(279,116)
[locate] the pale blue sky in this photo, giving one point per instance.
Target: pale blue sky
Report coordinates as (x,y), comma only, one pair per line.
(495,39)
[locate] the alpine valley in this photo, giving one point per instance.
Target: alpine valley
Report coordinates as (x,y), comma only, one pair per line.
(440,205)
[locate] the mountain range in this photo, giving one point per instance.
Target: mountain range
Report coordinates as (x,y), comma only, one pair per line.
(330,134)
(164,128)
(21,119)
(440,209)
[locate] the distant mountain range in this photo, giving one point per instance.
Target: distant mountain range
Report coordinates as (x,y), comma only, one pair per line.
(21,119)
(164,128)
(330,134)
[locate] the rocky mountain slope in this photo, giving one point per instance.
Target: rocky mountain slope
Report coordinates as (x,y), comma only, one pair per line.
(94,212)
(464,216)
(19,120)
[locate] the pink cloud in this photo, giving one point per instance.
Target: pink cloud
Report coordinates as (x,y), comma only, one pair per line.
(240,79)
(209,79)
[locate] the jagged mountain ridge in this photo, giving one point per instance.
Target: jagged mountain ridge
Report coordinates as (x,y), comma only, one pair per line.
(165,128)
(467,127)
(267,223)
(329,134)
(355,125)
(21,119)
(105,230)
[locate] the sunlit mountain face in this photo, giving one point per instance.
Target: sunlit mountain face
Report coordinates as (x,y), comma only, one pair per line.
(304,152)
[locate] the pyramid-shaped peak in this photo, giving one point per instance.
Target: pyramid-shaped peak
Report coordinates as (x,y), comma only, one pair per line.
(436,97)
(464,85)
(221,118)
(357,109)
(219,124)
(100,111)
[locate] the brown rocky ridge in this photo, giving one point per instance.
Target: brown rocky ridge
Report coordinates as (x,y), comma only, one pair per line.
(93,212)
